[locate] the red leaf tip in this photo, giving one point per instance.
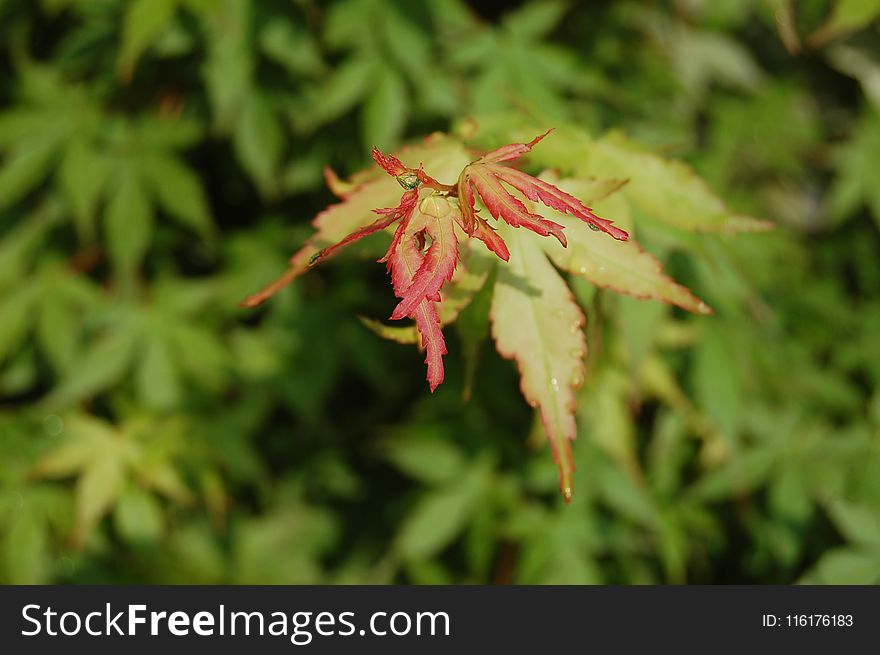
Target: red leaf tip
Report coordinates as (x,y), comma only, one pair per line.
(389,163)
(538,139)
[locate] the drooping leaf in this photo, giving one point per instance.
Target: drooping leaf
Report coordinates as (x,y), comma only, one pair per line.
(536,322)
(404,263)
(469,278)
(439,261)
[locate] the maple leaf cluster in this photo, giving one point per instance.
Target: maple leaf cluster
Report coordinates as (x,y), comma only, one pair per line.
(535,320)
(425,249)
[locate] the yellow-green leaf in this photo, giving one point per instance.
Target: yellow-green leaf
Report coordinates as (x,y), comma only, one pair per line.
(664,189)
(81,176)
(144,22)
(848,16)
(128,222)
(179,191)
(619,265)
(536,321)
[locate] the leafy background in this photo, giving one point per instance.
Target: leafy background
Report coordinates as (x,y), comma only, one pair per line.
(160,159)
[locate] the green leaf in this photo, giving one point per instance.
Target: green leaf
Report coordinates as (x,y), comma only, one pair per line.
(161,133)
(99,455)
(179,191)
(144,22)
(81,176)
(441,515)
(258,143)
(613,428)
(716,379)
(292,47)
(16,310)
(385,111)
(128,222)
(425,457)
(58,331)
(842,566)
(664,189)
(536,322)
(742,475)
(406,334)
(228,68)
(473,323)
(859,64)
(347,85)
(157,379)
(100,367)
(19,245)
(408,44)
(848,16)
(96,492)
(855,185)
(535,20)
(346,21)
(26,547)
(23,170)
(138,516)
(86,438)
(200,353)
(703,57)
(860,524)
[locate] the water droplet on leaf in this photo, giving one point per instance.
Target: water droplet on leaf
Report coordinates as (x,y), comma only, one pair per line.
(409,181)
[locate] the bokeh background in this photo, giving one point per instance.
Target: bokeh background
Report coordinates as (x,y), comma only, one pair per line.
(160,159)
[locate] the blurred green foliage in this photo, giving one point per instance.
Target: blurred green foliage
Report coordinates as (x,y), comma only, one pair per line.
(160,159)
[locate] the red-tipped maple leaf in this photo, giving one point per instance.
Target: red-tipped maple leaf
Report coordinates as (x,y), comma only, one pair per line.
(425,247)
(411,269)
(486,176)
(436,270)
(433,222)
